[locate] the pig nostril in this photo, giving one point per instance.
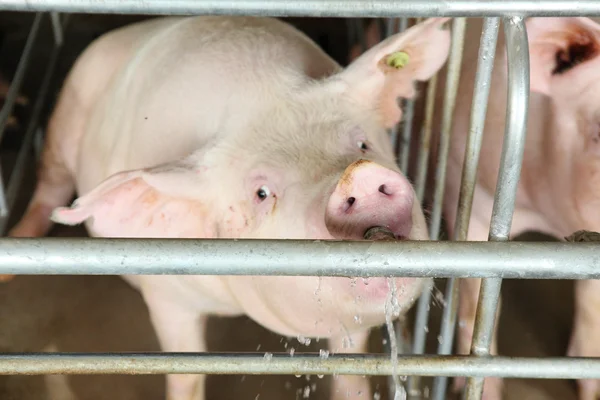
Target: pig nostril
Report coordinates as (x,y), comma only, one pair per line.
(350,201)
(382,189)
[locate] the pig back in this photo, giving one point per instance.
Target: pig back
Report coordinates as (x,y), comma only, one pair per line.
(190,82)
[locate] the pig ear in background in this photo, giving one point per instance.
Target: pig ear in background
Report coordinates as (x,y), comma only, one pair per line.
(559,45)
(388,70)
(164,201)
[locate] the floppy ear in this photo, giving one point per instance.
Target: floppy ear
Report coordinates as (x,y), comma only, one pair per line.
(388,71)
(558,46)
(163,201)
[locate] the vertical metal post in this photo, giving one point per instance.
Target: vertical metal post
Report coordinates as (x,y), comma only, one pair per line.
(16,176)
(451,89)
(11,97)
(517,47)
(485,65)
(408,110)
(453,78)
(57,28)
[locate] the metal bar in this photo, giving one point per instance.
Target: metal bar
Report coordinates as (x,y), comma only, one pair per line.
(423,304)
(402,25)
(17,80)
(11,98)
(57,29)
(317,8)
(517,46)
(104,256)
(483,77)
(452,80)
(16,177)
(425,139)
(305,364)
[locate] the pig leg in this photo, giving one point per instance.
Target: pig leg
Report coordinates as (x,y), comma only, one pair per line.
(55,185)
(179,329)
(468,299)
(350,386)
(586,329)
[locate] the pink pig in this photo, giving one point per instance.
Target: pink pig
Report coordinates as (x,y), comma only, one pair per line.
(231,127)
(559,186)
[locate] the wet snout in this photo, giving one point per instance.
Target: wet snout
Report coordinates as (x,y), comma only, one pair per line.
(370,195)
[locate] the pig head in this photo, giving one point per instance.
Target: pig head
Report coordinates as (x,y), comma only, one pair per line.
(312,161)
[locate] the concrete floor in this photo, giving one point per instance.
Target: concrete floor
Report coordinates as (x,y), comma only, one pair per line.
(92,314)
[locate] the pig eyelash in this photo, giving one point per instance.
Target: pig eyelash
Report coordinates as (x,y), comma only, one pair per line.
(263,193)
(362,145)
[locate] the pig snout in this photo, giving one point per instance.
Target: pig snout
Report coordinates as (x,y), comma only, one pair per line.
(369,195)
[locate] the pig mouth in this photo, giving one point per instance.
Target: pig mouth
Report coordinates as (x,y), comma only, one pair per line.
(378,232)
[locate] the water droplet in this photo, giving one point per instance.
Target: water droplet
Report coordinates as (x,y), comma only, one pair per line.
(258,347)
(357,319)
(292,351)
(306,393)
(376,396)
(268,356)
(320,376)
(324,354)
(298,376)
(366,281)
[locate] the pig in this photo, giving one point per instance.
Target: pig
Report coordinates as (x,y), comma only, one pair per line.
(559,187)
(238,127)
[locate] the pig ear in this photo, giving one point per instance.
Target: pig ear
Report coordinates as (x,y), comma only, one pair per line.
(557,46)
(164,201)
(388,70)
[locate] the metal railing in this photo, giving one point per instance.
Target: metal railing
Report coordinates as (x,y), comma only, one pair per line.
(493,260)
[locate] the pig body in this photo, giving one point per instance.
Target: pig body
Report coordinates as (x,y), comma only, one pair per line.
(218,127)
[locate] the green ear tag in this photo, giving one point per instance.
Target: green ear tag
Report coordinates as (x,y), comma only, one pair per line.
(398,59)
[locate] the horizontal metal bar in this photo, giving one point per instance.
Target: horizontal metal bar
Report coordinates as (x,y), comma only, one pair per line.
(317,8)
(298,364)
(102,256)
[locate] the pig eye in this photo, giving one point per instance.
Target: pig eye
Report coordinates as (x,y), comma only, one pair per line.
(362,145)
(263,193)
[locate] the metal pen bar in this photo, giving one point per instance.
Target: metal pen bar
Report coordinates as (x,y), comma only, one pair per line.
(402,25)
(423,304)
(57,28)
(11,97)
(483,77)
(17,80)
(299,364)
(425,139)
(517,46)
(16,177)
(452,80)
(317,8)
(403,159)
(103,256)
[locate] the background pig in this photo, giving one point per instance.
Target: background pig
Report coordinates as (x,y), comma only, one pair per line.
(559,189)
(238,127)
(560,181)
